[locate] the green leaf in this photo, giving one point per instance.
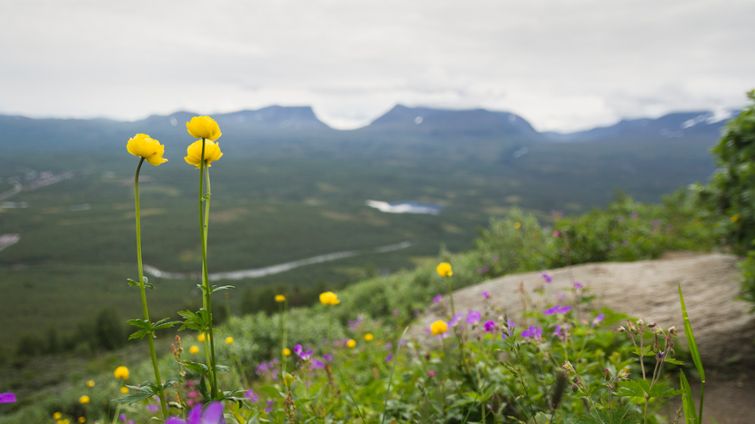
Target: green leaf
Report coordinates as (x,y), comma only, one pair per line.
(136,394)
(694,352)
(688,404)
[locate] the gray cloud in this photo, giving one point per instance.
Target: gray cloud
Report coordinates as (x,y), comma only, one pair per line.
(561,64)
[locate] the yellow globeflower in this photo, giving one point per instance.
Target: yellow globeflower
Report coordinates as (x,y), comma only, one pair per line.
(84,399)
(90,383)
(194,349)
(148,148)
(57,415)
(286,351)
(329,298)
(211,153)
(368,337)
(280,298)
(229,340)
(201,337)
(438,327)
(203,127)
(124,390)
(121,373)
(82,420)
(444,269)
(734,218)
(351,343)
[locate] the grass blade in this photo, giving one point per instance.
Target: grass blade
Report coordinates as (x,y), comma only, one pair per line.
(688,405)
(694,352)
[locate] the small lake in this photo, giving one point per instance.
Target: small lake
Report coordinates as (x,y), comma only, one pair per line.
(411,207)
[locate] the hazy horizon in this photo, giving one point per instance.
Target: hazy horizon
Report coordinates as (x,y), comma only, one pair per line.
(561,65)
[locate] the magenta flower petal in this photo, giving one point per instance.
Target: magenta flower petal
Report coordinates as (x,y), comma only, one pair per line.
(213,414)
(8,397)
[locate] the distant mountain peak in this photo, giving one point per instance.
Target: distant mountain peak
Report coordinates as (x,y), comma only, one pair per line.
(475,121)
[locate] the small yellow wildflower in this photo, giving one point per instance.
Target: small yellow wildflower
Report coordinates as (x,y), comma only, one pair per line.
(121,373)
(90,383)
(329,298)
(280,298)
(82,420)
(84,399)
(286,351)
(444,269)
(351,343)
(201,337)
(368,337)
(734,218)
(438,327)
(203,127)
(57,415)
(212,153)
(194,349)
(146,147)
(517,225)
(123,390)
(229,340)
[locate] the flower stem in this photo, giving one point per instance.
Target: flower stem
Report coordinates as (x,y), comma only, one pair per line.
(204,220)
(143,292)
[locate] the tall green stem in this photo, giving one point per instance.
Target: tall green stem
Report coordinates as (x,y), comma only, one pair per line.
(143,292)
(204,221)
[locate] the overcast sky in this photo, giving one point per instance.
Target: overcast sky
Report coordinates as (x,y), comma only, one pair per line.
(563,65)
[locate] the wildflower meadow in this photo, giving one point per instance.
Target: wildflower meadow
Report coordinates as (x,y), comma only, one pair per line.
(361,355)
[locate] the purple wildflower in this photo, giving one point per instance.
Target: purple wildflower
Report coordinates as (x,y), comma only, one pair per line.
(547,277)
(437,299)
(454,320)
(269,406)
(304,355)
(486,294)
(431,373)
(533,332)
(327,357)
(251,396)
(317,364)
(8,397)
(213,414)
(578,285)
(354,324)
(473,317)
(510,324)
(152,408)
(389,357)
(489,326)
(598,319)
(558,309)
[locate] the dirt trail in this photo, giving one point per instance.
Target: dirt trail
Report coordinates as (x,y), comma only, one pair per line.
(724,326)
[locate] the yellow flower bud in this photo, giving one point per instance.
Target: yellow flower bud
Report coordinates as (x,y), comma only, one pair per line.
(351,343)
(229,340)
(201,337)
(280,298)
(144,146)
(57,415)
(444,270)
(82,420)
(194,349)
(368,337)
(84,399)
(124,390)
(329,298)
(212,153)
(438,327)
(90,383)
(203,127)
(121,373)
(286,351)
